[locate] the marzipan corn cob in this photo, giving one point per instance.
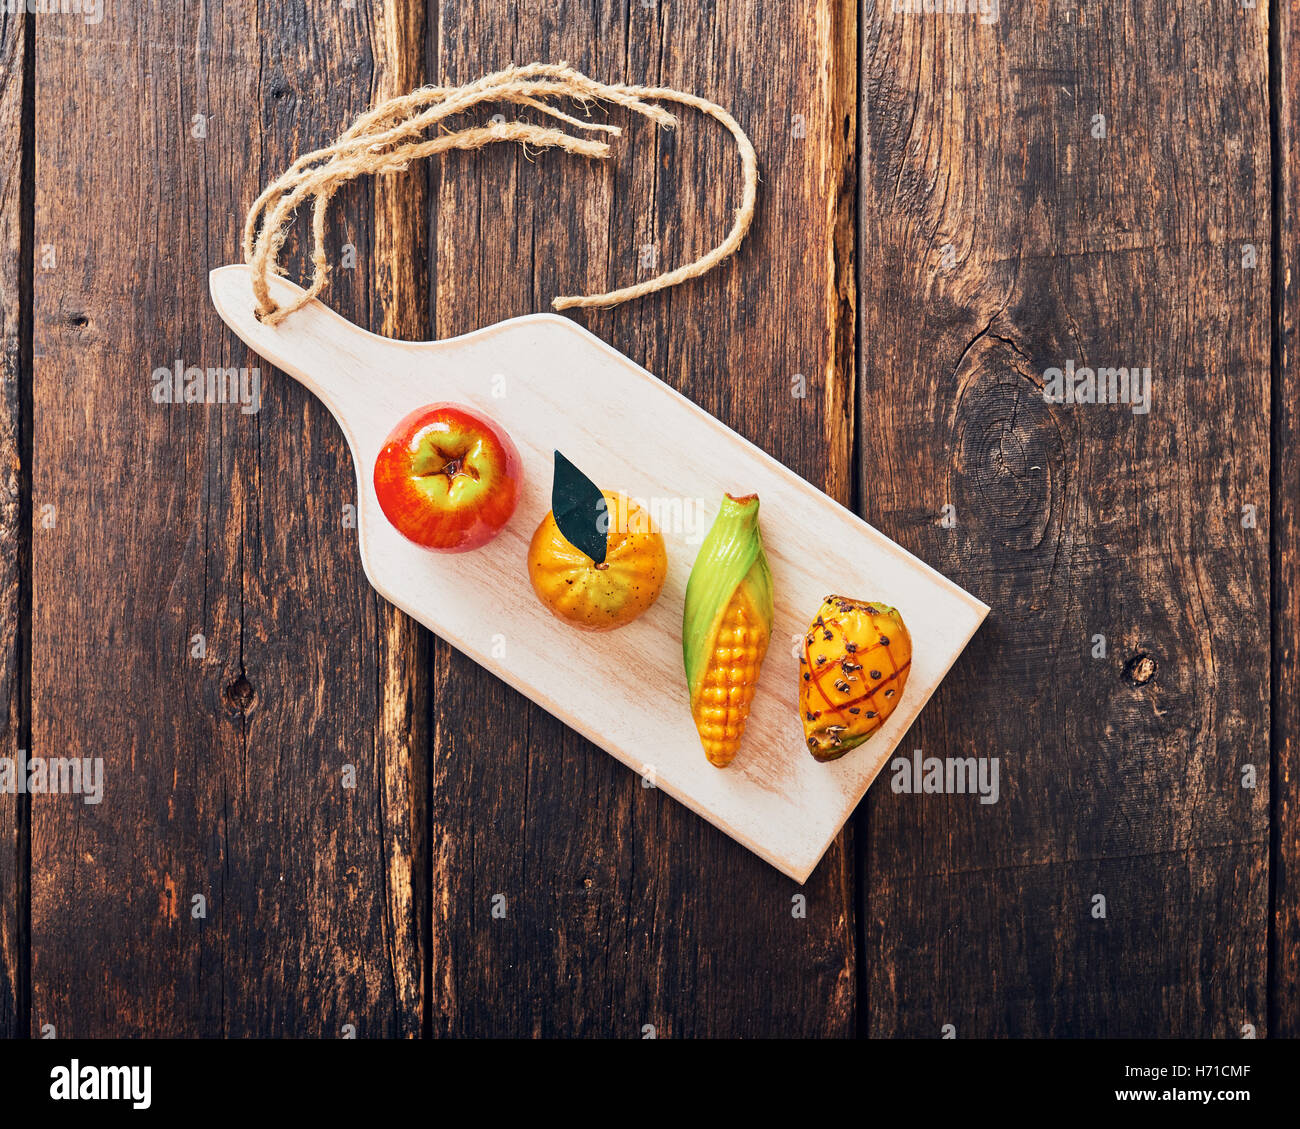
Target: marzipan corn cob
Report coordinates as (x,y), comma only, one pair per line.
(726,626)
(852,671)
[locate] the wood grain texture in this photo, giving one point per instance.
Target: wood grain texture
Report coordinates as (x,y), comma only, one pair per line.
(400,265)
(15,514)
(225,775)
(1284,986)
(624,910)
(999,238)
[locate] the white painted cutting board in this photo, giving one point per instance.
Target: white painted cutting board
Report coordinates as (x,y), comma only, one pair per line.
(552,385)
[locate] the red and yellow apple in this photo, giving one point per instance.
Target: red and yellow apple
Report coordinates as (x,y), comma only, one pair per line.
(448,478)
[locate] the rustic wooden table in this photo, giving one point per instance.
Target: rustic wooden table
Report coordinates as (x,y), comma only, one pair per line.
(951,206)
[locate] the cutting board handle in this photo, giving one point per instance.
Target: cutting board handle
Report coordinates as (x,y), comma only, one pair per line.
(339,362)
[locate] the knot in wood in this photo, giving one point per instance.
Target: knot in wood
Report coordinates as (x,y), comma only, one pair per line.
(1140,669)
(239,694)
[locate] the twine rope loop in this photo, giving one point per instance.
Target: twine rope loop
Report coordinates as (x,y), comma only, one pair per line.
(387,138)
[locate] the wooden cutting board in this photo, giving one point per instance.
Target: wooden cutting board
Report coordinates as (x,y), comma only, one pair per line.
(552,385)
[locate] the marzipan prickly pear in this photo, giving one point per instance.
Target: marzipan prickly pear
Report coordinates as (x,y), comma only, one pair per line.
(852,671)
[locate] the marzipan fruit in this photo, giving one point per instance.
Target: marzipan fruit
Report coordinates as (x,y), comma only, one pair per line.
(600,595)
(852,671)
(726,627)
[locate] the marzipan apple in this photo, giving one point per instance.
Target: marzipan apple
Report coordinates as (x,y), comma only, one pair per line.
(448,478)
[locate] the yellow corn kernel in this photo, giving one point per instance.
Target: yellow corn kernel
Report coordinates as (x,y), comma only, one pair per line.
(723,708)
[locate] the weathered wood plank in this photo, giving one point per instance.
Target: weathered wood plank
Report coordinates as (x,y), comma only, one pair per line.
(622,910)
(1284,996)
(226,775)
(1002,236)
(400,266)
(15,513)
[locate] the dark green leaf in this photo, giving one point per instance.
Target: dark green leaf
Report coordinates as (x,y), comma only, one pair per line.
(580,510)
